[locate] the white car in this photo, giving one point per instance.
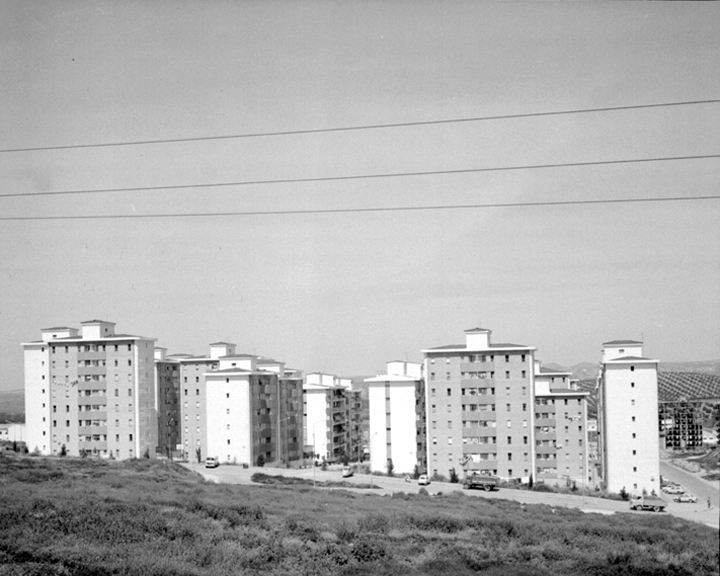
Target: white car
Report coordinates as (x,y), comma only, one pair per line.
(424,480)
(686,498)
(673,490)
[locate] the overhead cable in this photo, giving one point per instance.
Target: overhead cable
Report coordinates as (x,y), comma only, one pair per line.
(358,127)
(357,176)
(365,210)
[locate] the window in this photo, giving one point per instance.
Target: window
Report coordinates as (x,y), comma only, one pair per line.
(197,392)
(632,402)
(523,373)
(509,459)
(449,424)
(632,368)
(228,441)
(509,424)
(432,391)
(634,468)
(129,347)
(447,376)
(129,391)
(509,438)
(634,452)
(634,435)
(632,384)
(507,358)
(130,437)
(129,362)
(432,375)
(633,418)
(507,407)
(449,390)
(524,407)
(507,374)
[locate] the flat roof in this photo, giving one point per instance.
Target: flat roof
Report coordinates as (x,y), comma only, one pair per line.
(620,342)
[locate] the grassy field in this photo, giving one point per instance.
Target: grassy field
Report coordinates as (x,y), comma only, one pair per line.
(72,516)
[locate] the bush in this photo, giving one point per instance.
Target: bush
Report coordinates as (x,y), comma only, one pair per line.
(624,494)
(453,476)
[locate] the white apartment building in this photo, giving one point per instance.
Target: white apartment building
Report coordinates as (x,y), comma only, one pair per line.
(92,391)
(628,418)
(479,402)
(329,417)
(396,401)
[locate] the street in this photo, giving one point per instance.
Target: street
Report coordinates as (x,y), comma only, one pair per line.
(588,504)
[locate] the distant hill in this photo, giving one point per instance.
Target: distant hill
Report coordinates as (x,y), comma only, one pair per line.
(671,386)
(12,401)
(590,370)
(687,385)
(707,366)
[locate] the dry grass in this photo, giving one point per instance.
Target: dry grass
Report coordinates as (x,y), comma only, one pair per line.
(85,517)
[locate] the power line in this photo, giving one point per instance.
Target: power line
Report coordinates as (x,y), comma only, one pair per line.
(366,210)
(357,128)
(359,176)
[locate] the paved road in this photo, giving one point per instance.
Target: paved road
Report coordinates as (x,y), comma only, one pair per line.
(698,486)
(238,475)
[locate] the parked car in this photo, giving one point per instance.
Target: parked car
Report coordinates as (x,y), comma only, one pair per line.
(348,471)
(648,503)
(424,480)
(211,462)
(686,498)
(673,489)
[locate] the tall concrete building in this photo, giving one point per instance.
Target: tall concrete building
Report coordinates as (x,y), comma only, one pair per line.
(332,428)
(479,406)
(91,391)
(253,411)
(167,403)
(397,434)
(628,418)
(561,431)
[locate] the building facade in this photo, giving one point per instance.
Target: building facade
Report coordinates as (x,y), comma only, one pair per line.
(561,430)
(253,411)
(167,401)
(479,407)
(397,431)
(628,438)
(681,424)
(332,428)
(91,391)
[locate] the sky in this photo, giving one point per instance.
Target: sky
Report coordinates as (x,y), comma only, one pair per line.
(348,290)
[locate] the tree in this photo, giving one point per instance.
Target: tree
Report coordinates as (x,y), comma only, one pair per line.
(453,476)
(624,494)
(345,459)
(416,472)
(63,450)
(198,453)
(531,482)
(261,460)
(390,467)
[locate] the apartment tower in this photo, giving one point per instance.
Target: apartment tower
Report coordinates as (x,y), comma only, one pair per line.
(396,400)
(479,406)
(91,391)
(628,418)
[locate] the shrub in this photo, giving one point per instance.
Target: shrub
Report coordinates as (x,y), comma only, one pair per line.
(390,467)
(416,472)
(261,460)
(624,494)
(453,476)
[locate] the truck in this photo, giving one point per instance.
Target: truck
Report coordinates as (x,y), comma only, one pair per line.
(483,481)
(647,503)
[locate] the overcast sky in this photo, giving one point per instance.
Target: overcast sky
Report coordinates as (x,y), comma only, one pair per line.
(346,292)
